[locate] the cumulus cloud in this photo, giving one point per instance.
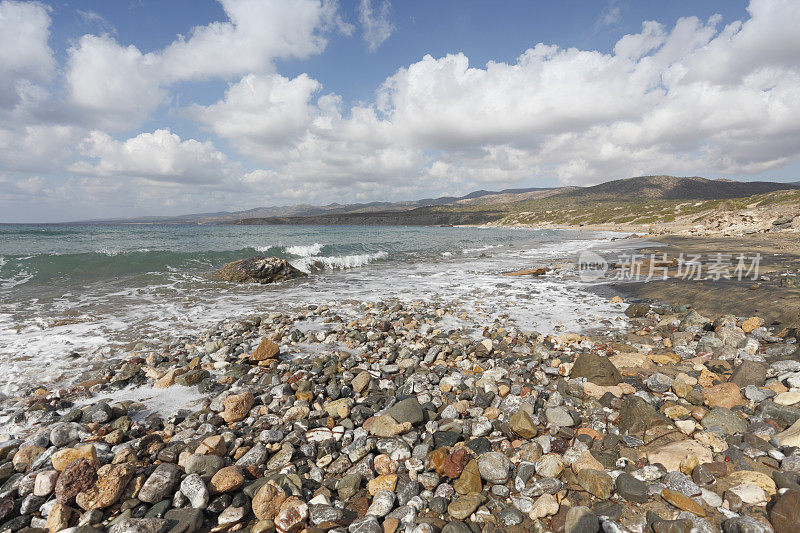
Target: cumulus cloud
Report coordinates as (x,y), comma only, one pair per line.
(262,109)
(110,85)
(376,22)
(257,32)
(117,86)
(25,56)
(160,156)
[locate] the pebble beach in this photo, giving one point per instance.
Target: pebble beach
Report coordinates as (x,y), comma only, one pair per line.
(398,420)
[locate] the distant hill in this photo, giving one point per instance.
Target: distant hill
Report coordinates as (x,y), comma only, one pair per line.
(617,200)
(674,188)
(645,201)
(334,210)
(641,198)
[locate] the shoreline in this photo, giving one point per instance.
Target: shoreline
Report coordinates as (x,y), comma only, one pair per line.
(401,415)
(183,300)
(775,295)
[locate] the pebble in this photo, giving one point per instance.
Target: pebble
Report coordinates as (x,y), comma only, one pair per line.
(195,491)
(631,488)
(545,505)
(494,467)
(464,506)
(581,519)
(226,479)
(549,466)
(596,482)
(160,483)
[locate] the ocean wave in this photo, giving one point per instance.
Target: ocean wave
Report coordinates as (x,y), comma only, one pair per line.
(14,278)
(315,263)
(265,249)
(305,251)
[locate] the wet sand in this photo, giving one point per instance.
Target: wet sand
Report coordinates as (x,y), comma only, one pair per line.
(775,297)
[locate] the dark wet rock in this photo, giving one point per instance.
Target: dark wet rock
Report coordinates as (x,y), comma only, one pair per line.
(581,519)
(637,416)
(445,439)
(750,373)
(260,270)
(597,369)
(631,488)
(637,310)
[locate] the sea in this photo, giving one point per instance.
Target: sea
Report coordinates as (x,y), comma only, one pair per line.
(73,297)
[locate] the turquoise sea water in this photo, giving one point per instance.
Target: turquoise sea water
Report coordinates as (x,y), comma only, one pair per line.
(72,296)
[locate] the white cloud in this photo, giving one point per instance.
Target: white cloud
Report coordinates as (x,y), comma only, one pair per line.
(262,109)
(160,156)
(110,85)
(258,32)
(118,86)
(375,22)
(35,148)
(24,53)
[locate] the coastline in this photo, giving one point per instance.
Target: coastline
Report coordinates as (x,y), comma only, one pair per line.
(775,295)
(406,414)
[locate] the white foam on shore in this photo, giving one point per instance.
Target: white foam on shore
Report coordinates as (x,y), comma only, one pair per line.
(165,402)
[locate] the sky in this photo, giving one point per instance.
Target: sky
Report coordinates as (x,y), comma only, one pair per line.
(145,107)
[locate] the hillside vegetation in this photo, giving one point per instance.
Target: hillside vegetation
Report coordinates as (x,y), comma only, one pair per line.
(662,203)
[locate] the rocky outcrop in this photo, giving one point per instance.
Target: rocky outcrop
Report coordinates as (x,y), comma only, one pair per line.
(259,270)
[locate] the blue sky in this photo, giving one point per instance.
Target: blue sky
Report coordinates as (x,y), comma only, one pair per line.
(140,107)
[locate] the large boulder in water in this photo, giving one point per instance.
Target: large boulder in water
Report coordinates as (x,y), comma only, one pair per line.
(259,270)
